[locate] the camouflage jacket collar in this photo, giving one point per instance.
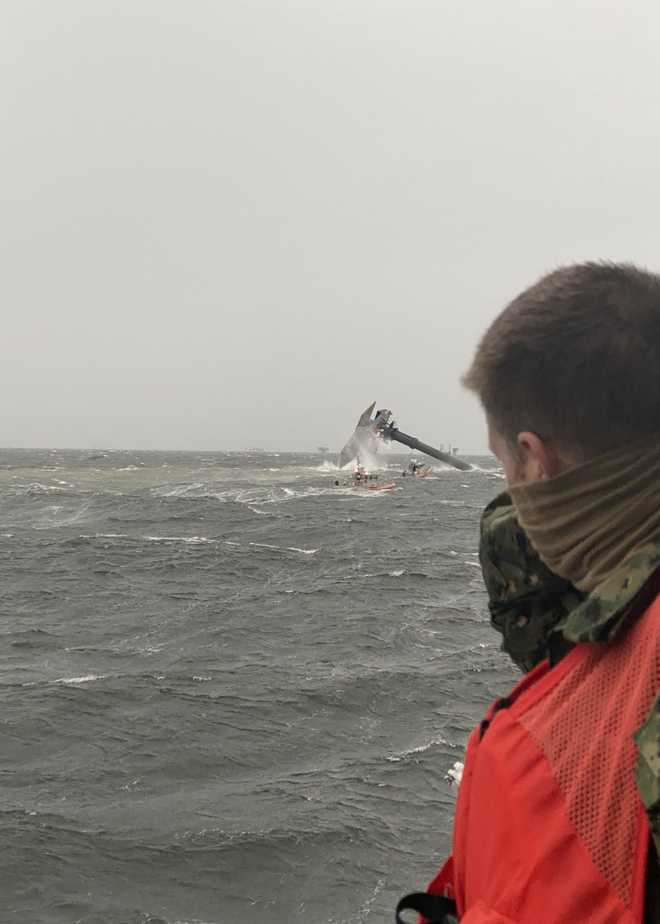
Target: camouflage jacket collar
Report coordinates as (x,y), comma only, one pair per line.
(625,594)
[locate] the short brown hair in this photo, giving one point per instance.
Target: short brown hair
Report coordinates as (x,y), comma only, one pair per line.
(576,359)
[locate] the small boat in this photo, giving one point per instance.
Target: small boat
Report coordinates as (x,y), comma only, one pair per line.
(417,470)
(366,482)
(363,481)
(367,486)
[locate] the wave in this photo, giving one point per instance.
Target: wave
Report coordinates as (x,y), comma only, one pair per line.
(77,681)
(419,749)
(200,540)
(38,488)
(286,548)
(192,540)
(498,470)
(30,638)
(326,466)
(180,490)
(248,496)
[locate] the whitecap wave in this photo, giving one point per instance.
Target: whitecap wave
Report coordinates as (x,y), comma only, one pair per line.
(419,749)
(189,540)
(77,681)
(281,548)
(179,490)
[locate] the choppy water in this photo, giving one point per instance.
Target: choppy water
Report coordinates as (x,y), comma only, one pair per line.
(231,691)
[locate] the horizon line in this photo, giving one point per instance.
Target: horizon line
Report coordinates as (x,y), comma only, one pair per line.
(316,452)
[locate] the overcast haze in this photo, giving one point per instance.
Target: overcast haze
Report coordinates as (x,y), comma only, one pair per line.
(238,223)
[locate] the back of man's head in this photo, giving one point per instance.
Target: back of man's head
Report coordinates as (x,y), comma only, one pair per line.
(575,359)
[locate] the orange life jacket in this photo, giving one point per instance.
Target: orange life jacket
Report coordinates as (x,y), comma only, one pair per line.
(549,824)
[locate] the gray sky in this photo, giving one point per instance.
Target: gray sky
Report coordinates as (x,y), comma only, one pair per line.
(237,222)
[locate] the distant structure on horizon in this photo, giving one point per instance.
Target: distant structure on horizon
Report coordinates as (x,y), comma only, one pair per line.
(323,448)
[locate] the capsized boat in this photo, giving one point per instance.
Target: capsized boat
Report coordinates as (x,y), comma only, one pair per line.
(369,432)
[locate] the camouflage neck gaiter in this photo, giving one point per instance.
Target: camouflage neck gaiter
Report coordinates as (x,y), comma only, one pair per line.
(590,519)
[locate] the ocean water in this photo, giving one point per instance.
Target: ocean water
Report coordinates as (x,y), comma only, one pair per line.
(230,690)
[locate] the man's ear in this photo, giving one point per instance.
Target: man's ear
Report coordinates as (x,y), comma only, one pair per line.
(539,460)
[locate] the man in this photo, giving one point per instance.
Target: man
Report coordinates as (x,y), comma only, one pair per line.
(559,806)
